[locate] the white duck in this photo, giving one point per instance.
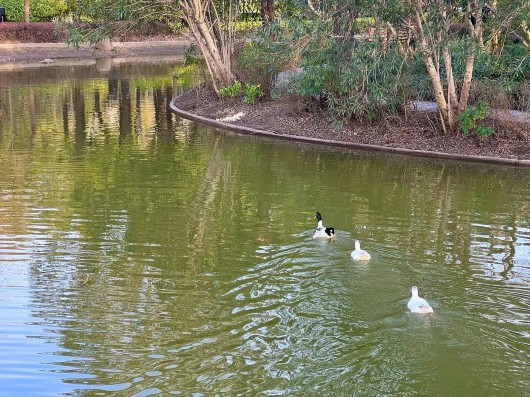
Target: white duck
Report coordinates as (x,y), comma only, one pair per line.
(417,304)
(358,254)
(321,230)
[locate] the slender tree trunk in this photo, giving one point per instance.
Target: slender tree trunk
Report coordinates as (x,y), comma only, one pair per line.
(448,118)
(475,31)
(205,26)
(451,86)
(526,29)
(447,115)
(466,84)
(26,11)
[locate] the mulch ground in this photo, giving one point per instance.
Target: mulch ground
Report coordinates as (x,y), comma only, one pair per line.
(418,130)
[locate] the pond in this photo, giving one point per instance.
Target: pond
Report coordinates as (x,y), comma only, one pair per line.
(143,254)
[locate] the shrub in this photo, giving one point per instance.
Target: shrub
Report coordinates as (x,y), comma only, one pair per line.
(231,90)
(468,120)
(252,93)
(261,59)
(40,10)
(359,81)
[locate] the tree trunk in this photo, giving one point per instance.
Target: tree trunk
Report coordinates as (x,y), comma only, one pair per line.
(466,84)
(26,11)
(451,86)
(204,23)
(448,117)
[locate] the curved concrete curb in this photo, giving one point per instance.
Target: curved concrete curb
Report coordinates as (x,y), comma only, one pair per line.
(362,146)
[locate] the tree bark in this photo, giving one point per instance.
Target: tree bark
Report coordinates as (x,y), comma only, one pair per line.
(447,116)
(26,11)
(204,22)
(451,86)
(466,84)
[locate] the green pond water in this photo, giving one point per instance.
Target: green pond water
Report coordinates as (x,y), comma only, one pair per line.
(143,254)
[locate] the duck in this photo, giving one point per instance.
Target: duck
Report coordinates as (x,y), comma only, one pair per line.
(358,254)
(417,304)
(321,230)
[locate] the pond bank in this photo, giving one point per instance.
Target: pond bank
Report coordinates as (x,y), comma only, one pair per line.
(417,134)
(22,54)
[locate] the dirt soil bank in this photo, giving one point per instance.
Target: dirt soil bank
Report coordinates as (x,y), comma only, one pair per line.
(417,130)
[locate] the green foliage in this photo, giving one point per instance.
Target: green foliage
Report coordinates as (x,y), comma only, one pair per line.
(484,130)
(513,63)
(360,81)
(77,35)
(40,10)
(261,59)
(364,24)
(232,90)
(468,120)
(252,93)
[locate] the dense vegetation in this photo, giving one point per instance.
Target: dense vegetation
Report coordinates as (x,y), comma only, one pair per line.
(360,59)
(41,10)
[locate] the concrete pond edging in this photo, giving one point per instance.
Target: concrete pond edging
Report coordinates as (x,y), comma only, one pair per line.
(412,152)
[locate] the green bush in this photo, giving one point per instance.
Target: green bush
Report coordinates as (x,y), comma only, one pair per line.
(261,59)
(468,120)
(231,90)
(252,93)
(40,10)
(359,81)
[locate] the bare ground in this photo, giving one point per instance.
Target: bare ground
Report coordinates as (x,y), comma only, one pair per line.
(418,130)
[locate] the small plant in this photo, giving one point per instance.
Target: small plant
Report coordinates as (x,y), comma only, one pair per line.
(468,120)
(231,90)
(484,131)
(252,93)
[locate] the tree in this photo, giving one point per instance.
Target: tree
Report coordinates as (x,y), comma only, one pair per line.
(26,11)
(214,34)
(434,22)
(211,22)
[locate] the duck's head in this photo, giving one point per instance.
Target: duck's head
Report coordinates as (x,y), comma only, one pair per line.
(414,291)
(357,245)
(319,217)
